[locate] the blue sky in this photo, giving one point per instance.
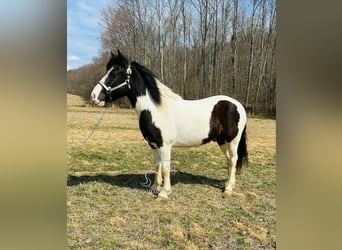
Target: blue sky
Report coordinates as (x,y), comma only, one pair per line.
(83,31)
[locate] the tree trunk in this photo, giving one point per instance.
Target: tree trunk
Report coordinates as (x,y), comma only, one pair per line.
(234,50)
(251,56)
(185,51)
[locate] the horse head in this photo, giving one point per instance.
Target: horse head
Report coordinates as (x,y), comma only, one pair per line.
(115,83)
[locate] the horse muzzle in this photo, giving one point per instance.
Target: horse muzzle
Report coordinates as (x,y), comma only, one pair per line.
(96,95)
(99,103)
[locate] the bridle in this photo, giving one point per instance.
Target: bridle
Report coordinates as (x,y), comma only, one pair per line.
(109,90)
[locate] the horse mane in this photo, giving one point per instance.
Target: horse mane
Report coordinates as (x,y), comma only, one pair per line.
(149,81)
(156,89)
(167,92)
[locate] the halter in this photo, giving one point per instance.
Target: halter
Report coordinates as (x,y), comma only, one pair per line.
(109,90)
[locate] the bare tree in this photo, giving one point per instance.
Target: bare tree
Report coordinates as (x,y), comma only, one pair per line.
(234,47)
(200,47)
(266,43)
(185,36)
(251,53)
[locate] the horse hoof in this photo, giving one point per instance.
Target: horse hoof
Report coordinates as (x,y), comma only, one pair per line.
(228,192)
(162,198)
(164,194)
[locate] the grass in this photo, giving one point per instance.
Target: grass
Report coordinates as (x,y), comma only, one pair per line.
(108,208)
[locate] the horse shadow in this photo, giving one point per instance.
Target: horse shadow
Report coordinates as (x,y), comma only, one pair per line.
(137,181)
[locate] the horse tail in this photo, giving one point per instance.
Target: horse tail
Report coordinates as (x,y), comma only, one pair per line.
(242,152)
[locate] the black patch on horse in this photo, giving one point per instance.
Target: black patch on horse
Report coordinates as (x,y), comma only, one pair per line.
(223,123)
(150,132)
(149,82)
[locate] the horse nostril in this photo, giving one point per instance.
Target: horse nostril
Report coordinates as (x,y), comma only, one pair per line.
(102,97)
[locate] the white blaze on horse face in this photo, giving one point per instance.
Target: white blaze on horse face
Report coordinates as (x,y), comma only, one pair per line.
(103,79)
(94,96)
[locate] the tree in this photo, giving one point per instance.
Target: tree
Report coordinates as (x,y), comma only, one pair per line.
(234,48)
(251,52)
(200,47)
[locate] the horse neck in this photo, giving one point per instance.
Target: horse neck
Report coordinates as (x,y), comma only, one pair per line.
(140,96)
(145,102)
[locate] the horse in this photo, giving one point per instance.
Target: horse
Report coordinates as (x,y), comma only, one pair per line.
(167,120)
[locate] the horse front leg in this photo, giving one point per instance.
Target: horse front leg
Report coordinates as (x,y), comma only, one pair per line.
(165,157)
(158,179)
(233,156)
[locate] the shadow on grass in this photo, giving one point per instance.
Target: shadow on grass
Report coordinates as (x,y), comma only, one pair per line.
(134,180)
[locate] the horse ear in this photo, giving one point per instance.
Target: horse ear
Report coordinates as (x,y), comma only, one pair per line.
(111,53)
(119,54)
(122,57)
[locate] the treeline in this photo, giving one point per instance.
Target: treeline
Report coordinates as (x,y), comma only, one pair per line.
(198,47)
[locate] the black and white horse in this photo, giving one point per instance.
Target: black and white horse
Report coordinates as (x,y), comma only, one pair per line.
(166,119)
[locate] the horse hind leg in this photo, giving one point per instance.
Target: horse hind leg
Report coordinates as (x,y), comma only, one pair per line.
(230,151)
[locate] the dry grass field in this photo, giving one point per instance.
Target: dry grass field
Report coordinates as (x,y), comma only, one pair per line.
(108,208)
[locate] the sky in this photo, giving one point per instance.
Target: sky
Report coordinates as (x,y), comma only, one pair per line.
(83,31)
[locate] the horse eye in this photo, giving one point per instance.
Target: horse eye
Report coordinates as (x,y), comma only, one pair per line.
(114,70)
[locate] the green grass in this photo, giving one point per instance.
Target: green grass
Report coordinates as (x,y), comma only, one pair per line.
(108,208)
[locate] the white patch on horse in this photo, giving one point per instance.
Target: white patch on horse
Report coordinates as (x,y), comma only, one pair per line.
(166,95)
(160,119)
(144,103)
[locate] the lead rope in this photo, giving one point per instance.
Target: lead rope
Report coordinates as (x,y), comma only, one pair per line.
(129,73)
(95,127)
